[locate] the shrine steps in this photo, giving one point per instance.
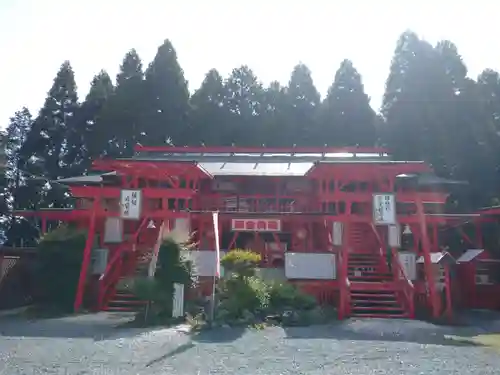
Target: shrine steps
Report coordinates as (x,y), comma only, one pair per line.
(373,291)
(377,304)
(124,301)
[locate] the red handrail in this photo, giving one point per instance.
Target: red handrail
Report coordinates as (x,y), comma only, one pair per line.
(110,276)
(408,288)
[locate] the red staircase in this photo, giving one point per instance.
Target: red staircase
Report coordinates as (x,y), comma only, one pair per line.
(123,299)
(374,291)
(125,263)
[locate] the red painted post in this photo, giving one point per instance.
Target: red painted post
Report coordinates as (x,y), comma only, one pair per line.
(449,304)
(427,257)
(86,258)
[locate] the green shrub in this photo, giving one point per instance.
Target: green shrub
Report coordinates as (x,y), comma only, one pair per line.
(172,268)
(285,296)
(60,255)
(241,262)
(242,300)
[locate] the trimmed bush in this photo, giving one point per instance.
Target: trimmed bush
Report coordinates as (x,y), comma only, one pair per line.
(60,255)
(241,262)
(285,296)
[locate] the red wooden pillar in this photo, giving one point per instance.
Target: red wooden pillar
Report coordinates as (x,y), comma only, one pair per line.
(86,258)
(449,304)
(426,252)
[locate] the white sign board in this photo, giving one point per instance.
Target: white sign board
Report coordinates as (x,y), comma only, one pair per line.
(130,204)
(99,261)
(384,209)
(315,266)
(408,263)
(178,301)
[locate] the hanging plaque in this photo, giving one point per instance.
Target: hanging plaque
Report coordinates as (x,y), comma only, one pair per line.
(384,209)
(130,204)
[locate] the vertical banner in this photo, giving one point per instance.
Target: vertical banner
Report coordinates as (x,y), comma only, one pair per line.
(384,209)
(130,204)
(338,233)
(156,250)
(215,216)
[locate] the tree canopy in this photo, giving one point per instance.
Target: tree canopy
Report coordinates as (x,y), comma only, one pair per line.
(432,111)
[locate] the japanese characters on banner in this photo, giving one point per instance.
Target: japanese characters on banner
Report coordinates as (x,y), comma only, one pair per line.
(384,209)
(256,225)
(130,204)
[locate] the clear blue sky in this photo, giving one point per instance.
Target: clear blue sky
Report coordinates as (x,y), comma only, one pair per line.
(271,36)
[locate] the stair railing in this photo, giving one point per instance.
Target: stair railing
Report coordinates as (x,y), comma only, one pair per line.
(345,284)
(113,269)
(408,287)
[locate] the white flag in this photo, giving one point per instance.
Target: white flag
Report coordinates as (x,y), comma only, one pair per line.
(156,250)
(215,216)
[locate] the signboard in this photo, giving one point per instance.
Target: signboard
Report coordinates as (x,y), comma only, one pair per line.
(408,261)
(394,236)
(384,209)
(338,233)
(312,266)
(256,225)
(130,204)
(99,261)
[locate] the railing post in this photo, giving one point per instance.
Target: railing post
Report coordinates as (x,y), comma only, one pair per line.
(427,258)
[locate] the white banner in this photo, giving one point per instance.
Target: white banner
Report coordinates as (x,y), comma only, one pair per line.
(156,250)
(384,209)
(215,216)
(130,204)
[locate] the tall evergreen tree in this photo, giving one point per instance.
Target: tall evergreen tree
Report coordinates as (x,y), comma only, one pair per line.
(409,104)
(274,121)
(243,97)
(303,105)
(87,143)
(47,140)
(16,134)
(346,116)
(209,118)
(120,121)
(165,117)
(20,192)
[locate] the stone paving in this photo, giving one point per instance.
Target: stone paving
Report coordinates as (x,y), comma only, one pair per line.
(91,345)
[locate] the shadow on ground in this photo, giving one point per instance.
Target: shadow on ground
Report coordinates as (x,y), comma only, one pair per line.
(475,323)
(98,326)
(218,335)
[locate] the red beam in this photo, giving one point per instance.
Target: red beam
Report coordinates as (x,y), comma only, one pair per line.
(229,149)
(361,197)
(114,192)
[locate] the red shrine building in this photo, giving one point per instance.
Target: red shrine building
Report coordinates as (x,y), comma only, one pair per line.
(351,226)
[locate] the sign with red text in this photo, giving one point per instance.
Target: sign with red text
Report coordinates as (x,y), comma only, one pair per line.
(256,225)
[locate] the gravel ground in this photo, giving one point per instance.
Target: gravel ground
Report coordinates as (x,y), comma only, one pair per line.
(90,344)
